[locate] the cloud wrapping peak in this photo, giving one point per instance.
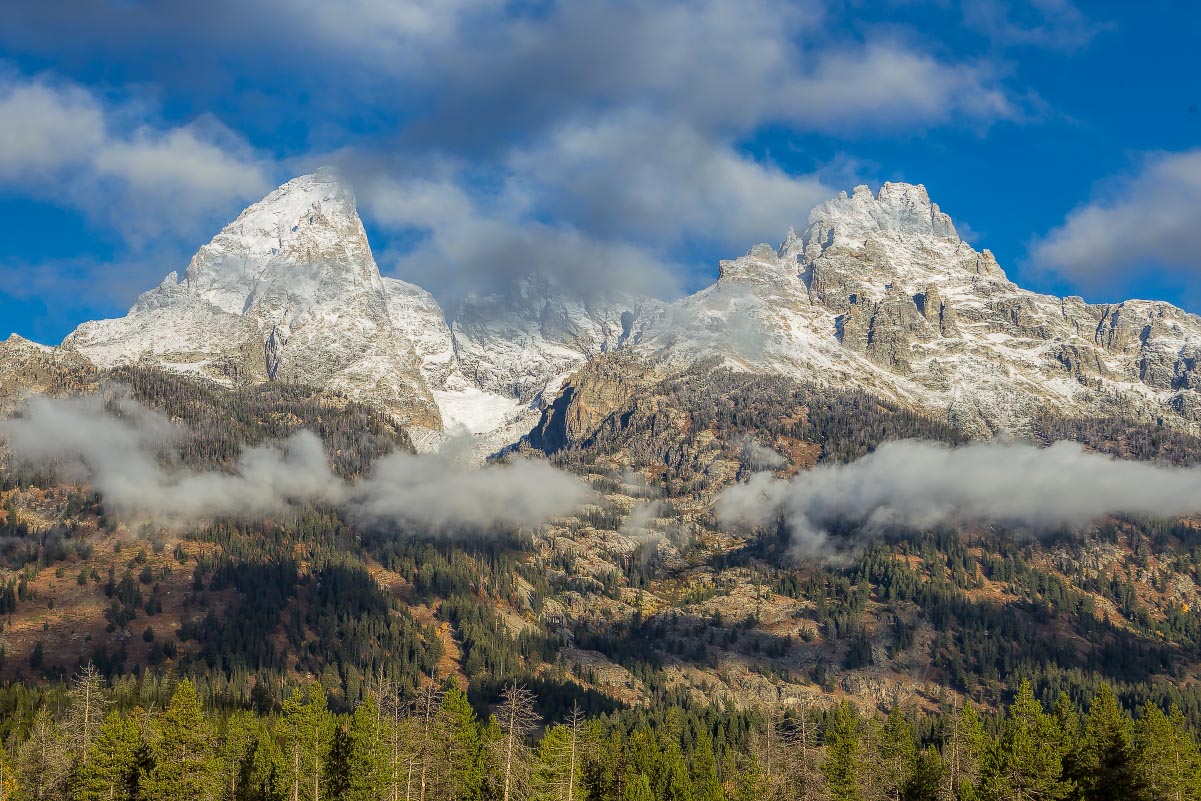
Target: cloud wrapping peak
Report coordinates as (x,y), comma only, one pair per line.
(921,484)
(122,448)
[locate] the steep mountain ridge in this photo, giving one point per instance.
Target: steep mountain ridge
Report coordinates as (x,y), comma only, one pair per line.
(878,292)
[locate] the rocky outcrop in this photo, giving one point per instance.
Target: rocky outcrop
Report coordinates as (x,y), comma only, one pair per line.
(601,388)
(26,367)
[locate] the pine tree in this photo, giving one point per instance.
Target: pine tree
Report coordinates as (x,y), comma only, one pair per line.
(1167,760)
(464,747)
(843,765)
(517,719)
(185,765)
(307,731)
(87,703)
(369,764)
(896,754)
(675,782)
(235,758)
(802,767)
(111,770)
(963,751)
(44,760)
(1102,761)
(1027,764)
(927,781)
(706,786)
(638,788)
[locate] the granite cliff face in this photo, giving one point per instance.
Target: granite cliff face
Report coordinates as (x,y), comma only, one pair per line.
(877,292)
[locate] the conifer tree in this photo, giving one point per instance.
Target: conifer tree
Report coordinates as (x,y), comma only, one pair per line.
(706,785)
(676,783)
(927,781)
(1167,760)
(185,765)
(44,760)
(843,765)
(1101,763)
(369,766)
(236,753)
(963,751)
(110,772)
(87,702)
(896,754)
(1027,764)
(517,719)
(638,788)
(464,747)
(307,733)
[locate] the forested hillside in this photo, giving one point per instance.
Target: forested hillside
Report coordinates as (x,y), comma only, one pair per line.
(313,653)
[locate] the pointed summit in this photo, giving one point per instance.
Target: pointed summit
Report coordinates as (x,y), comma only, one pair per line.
(289,291)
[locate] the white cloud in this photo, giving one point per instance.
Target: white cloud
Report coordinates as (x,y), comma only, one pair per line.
(1056,24)
(655,180)
(43,128)
(923,484)
(1151,219)
(61,142)
(123,449)
(887,83)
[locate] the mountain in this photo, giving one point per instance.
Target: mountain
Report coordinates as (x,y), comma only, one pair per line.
(878,292)
(290,292)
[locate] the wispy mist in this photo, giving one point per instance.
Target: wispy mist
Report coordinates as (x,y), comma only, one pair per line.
(922,484)
(125,451)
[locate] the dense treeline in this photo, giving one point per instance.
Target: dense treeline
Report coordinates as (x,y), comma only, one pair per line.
(91,743)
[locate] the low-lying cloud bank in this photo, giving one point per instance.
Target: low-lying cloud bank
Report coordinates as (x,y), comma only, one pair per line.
(124,450)
(922,484)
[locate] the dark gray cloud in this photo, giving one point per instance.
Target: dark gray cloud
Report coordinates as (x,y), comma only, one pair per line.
(922,484)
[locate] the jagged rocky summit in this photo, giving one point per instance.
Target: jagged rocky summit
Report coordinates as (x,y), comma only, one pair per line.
(877,292)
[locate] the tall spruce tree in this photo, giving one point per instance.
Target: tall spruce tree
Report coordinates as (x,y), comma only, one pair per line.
(369,766)
(1102,763)
(1167,760)
(1027,763)
(185,764)
(111,770)
(843,765)
(896,754)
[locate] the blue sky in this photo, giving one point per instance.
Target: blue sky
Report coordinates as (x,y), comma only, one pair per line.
(602,142)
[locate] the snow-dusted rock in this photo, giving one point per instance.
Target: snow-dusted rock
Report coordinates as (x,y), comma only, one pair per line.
(289,291)
(879,292)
